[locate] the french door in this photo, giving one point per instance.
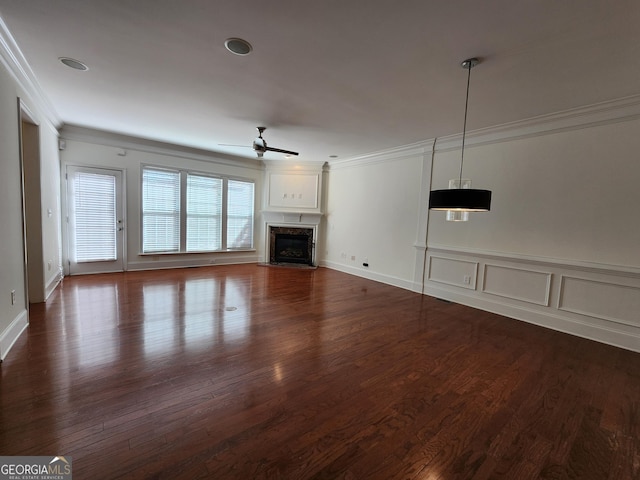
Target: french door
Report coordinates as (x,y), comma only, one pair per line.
(96,227)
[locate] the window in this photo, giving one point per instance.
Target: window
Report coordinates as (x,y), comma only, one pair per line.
(204,213)
(239,215)
(160,211)
(193,212)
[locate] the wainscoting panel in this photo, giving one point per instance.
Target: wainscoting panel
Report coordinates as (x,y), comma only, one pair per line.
(517,283)
(613,302)
(594,301)
(459,273)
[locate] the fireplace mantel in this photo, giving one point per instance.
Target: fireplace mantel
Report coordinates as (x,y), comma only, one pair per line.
(306,218)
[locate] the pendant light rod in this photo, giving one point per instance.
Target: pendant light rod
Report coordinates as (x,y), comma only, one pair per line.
(468,64)
(462,199)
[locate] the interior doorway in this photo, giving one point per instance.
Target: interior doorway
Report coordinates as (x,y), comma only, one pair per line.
(29,134)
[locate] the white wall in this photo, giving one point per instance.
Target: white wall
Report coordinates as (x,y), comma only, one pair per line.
(14,317)
(371,217)
(567,195)
(86,147)
(560,246)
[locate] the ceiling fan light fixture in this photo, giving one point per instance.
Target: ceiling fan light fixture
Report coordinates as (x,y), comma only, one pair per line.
(238,46)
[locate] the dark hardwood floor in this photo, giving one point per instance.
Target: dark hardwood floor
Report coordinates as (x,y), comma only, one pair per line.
(249,372)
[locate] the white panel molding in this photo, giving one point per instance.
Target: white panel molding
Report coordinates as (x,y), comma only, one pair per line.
(126,142)
(16,64)
(12,333)
(604,333)
(613,296)
(299,192)
(601,304)
(613,111)
(543,294)
(592,267)
(472,270)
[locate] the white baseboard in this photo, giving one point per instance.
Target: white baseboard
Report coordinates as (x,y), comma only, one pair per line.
(162,264)
(53,283)
(598,302)
(573,326)
(378,277)
(13,332)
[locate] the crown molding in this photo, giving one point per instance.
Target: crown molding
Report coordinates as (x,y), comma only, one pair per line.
(603,113)
(295,166)
(126,142)
(412,150)
(16,64)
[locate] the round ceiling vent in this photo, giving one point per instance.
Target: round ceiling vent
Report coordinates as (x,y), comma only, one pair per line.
(238,46)
(75,64)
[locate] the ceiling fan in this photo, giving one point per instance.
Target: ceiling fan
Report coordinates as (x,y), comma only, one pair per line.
(260,145)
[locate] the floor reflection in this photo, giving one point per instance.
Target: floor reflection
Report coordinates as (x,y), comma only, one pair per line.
(195,313)
(95,314)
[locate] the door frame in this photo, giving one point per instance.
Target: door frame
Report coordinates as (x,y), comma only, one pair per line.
(66,209)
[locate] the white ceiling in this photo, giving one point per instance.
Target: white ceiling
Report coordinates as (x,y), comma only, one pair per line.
(326,77)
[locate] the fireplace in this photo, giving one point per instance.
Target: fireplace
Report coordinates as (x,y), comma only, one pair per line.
(291,245)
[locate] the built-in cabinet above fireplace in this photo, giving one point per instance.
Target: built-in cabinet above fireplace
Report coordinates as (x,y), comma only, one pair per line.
(292,211)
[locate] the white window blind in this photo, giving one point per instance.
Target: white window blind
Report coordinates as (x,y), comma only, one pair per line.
(186,211)
(239,215)
(160,211)
(204,213)
(94,217)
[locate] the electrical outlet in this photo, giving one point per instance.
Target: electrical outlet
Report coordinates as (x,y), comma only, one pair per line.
(467,279)
(13,297)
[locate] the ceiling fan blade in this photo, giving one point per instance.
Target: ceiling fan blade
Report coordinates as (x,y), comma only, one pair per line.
(279,150)
(233,145)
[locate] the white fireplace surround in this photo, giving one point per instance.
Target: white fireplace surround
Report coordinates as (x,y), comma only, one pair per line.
(290,220)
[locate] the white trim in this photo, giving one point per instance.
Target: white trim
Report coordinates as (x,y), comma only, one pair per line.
(573,326)
(593,314)
(393,154)
(368,274)
(619,270)
(613,111)
(12,333)
(16,64)
(167,263)
(547,294)
(126,142)
(470,286)
(52,284)
(603,113)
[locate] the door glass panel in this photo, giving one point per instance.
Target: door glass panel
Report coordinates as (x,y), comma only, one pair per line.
(95,217)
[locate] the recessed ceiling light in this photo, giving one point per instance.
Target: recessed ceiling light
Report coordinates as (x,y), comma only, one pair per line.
(238,46)
(75,64)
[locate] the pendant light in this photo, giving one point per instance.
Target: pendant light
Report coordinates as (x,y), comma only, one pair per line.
(462,199)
